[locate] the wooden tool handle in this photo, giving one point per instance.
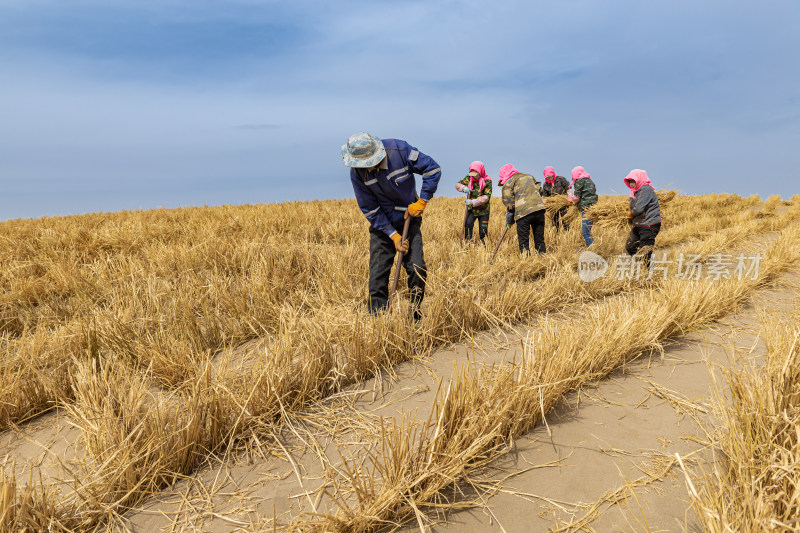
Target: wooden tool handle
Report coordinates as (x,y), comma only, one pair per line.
(396,277)
(498,245)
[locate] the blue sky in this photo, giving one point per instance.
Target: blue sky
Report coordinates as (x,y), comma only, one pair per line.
(125,105)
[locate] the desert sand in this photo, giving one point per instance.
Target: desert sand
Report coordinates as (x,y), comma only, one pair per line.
(605,459)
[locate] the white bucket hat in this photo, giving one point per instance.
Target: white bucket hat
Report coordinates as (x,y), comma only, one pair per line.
(362,151)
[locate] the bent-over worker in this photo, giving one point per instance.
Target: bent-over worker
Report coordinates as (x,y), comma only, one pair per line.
(382,173)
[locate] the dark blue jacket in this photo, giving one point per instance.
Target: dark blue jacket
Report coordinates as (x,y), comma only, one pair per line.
(385,193)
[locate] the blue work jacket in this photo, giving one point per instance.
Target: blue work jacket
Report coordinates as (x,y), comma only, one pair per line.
(385,193)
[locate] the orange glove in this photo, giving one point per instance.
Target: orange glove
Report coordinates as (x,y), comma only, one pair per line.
(416,208)
(400,247)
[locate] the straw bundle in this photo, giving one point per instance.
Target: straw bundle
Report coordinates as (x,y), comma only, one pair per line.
(556,203)
(614,214)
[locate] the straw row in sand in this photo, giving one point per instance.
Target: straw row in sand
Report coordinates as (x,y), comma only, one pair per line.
(483,410)
(754,483)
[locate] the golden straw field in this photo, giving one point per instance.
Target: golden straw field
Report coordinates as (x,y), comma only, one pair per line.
(142,351)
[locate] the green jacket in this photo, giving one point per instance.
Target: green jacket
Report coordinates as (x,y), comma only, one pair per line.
(586,192)
(523,193)
(475,193)
(559,186)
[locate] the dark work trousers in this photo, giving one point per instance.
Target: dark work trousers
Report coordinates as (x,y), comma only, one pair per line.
(641,237)
(381,256)
(558,218)
(535,222)
(483,226)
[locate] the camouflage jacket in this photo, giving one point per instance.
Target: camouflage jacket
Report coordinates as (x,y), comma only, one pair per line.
(522,193)
(560,186)
(586,192)
(475,193)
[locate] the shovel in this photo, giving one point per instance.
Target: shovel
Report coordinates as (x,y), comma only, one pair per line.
(396,277)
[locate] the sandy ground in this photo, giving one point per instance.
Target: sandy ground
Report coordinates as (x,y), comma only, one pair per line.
(605,459)
(49,444)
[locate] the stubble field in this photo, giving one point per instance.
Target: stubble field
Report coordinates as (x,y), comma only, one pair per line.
(155,345)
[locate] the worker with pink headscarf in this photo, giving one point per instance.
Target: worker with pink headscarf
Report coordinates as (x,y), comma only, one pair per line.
(555,185)
(522,198)
(645,215)
(584,195)
(478,187)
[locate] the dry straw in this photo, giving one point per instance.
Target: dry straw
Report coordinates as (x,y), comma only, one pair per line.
(754,481)
(137,323)
(612,212)
(483,410)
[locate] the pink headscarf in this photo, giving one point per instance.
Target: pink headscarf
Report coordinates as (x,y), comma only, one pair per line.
(506,171)
(482,178)
(639,178)
(550,175)
(579,174)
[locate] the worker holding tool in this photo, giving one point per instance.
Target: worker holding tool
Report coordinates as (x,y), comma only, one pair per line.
(555,185)
(644,216)
(584,195)
(478,188)
(382,174)
(523,200)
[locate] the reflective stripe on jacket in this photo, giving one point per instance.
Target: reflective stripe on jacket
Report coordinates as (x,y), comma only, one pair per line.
(385,193)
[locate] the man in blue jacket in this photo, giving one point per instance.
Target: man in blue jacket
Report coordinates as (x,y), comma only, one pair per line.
(382,173)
